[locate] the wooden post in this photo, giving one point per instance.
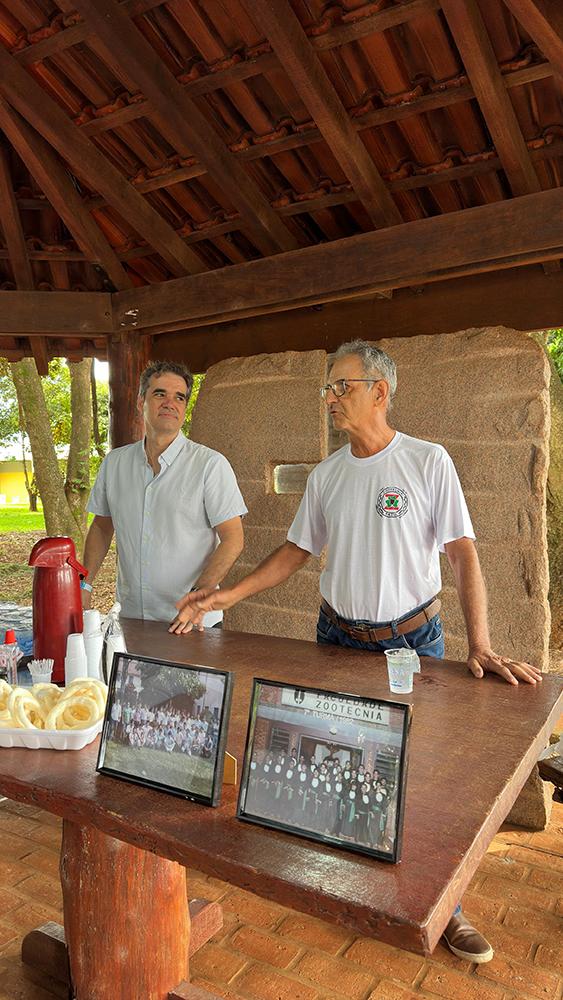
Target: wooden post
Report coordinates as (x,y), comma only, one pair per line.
(126,918)
(127,356)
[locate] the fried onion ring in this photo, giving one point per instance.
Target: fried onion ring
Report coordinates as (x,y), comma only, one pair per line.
(25,709)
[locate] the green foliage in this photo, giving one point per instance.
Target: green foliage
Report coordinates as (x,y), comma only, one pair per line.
(56,387)
(555,349)
(169,681)
(9,416)
(198,382)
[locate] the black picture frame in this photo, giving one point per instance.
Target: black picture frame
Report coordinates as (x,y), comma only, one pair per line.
(165,726)
(285,724)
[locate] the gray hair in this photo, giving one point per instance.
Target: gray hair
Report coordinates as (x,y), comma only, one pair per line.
(374,362)
(159,368)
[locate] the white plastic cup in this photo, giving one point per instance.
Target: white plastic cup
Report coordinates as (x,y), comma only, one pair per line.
(76,664)
(94,642)
(401,665)
(92,621)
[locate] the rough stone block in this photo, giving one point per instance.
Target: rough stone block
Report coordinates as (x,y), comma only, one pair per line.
(532,808)
(266,620)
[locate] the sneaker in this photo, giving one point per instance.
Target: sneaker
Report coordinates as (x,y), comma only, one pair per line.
(466,942)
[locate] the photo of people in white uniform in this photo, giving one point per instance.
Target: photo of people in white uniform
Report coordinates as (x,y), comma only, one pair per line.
(164,724)
(327,765)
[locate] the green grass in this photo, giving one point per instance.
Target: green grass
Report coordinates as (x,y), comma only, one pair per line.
(193,774)
(20,519)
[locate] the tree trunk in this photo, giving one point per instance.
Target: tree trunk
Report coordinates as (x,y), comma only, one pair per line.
(95,420)
(77,484)
(57,513)
(29,483)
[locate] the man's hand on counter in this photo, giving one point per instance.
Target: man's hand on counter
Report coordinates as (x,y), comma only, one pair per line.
(481,662)
(193,606)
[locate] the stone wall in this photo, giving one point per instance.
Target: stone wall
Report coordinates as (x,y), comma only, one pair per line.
(262,412)
(483,394)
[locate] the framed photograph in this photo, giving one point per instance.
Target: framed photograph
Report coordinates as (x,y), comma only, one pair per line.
(328,766)
(165,726)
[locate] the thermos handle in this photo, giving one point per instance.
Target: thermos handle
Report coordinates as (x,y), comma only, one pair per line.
(80,569)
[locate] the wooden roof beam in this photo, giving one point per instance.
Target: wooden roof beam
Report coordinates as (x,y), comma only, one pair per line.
(68,314)
(55,182)
(381,116)
(470,35)
(520,299)
(15,242)
(181,119)
(24,94)
(67,37)
(463,172)
(474,240)
(543,20)
(307,74)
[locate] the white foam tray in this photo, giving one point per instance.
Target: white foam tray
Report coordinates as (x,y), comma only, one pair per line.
(50,739)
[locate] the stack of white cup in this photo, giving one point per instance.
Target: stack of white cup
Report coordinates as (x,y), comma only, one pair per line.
(76,664)
(93,641)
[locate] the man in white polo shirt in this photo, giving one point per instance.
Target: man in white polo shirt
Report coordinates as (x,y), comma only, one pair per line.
(384,506)
(174,505)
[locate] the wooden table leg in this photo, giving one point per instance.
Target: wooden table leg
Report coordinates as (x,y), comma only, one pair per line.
(46,947)
(126,918)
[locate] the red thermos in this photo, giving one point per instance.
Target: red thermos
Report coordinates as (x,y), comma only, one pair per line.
(57,606)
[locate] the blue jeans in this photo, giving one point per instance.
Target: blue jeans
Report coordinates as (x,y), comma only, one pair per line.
(427,639)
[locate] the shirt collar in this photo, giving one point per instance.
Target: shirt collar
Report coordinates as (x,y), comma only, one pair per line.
(173,450)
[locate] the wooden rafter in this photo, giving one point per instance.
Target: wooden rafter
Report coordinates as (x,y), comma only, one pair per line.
(295,53)
(338,35)
(22,92)
(15,242)
(370,119)
(70,314)
(76,33)
(474,45)
(491,237)
(543,20)
(183,123)
(11,225)
(520,299)
(56,184)
(462,172)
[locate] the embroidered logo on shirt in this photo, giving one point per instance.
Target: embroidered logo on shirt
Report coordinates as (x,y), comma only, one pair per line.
(392,502)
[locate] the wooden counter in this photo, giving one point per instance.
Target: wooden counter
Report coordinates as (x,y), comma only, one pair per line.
(473,745)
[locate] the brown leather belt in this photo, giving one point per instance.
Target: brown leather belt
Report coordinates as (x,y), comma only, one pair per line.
(365,633)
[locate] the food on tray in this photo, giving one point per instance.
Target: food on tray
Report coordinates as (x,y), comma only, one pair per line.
(45,706)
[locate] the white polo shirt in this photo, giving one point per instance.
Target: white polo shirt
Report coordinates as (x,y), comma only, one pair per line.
(164,524)
(384,520)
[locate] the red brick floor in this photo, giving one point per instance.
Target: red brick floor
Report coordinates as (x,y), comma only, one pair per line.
(267,952)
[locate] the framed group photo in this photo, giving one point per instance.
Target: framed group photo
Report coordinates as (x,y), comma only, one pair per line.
(165,726)
(328,766)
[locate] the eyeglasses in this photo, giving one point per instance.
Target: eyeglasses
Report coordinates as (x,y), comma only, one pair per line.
(340,387)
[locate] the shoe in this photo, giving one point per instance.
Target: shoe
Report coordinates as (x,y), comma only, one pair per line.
(466,942)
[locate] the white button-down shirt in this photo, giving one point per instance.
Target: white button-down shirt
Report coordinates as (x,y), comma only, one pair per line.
(165,523)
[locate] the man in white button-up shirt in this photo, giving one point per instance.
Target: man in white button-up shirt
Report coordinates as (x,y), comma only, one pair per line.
(174,505)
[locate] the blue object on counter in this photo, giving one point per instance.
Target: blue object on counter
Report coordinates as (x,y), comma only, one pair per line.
(20,619)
